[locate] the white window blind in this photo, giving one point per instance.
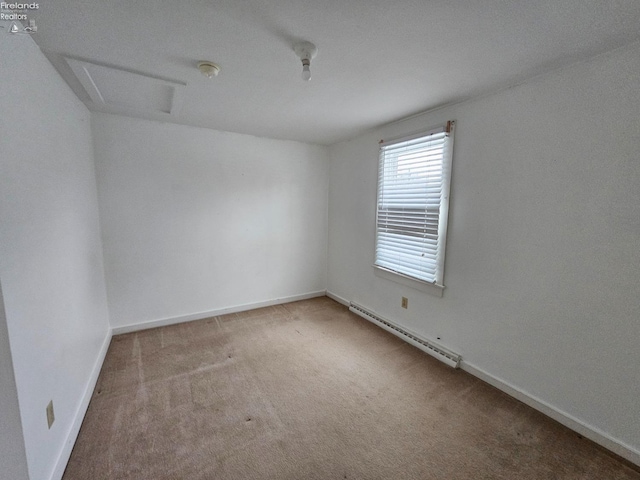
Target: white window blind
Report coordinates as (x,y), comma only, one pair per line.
(413,202)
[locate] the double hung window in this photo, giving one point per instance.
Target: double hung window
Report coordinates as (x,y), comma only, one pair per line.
(413,200)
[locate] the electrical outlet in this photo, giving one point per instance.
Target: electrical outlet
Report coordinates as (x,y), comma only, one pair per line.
(405,302)
(50,416)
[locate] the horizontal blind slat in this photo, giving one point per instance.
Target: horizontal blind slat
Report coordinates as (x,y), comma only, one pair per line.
(410,188)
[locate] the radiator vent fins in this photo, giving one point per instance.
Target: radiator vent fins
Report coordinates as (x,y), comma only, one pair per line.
(433,349)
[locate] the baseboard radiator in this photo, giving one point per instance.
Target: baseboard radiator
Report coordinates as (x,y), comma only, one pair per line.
(433,349)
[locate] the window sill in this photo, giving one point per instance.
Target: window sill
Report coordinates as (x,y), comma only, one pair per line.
(430,288)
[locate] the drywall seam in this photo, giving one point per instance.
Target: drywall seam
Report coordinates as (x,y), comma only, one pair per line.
(65,453)
(592,433)
(162,322)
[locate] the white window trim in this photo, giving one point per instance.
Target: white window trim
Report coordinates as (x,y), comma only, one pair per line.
(431,288)
(421,285)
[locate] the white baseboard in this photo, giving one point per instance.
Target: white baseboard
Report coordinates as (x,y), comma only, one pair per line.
(69,443)
(588,431)
(592,433)
(162,322)
(338,298)
(65,453)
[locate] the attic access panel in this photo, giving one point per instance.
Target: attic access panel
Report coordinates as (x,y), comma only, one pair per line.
(108,85)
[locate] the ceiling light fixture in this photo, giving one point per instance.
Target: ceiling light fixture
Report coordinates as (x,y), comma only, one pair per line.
(306,51)
(209,69)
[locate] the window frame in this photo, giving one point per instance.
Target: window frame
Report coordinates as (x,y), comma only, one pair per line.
(437,286)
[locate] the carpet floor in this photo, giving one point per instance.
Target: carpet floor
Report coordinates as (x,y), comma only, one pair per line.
(308,390)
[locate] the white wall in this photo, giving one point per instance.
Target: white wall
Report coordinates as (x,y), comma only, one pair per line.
(543,255)
(196,220)
(12,451)
(50,249)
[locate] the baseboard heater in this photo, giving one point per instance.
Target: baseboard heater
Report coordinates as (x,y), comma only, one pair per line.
(433,349)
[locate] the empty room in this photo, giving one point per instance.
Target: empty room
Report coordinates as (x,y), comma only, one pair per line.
(320,240)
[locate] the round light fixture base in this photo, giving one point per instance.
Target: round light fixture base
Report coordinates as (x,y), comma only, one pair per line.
(305,50)
(209,69)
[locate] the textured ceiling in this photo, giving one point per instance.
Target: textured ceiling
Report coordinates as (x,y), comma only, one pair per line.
(378,61)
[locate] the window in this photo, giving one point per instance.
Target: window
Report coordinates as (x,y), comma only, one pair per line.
(413,201)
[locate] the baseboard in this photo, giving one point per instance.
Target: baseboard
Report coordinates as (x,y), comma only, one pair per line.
(592,433)
(337,298)
(588,431)
(428,346)
(162,322)
(63,458)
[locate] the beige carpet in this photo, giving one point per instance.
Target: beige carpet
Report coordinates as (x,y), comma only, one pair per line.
(308,390)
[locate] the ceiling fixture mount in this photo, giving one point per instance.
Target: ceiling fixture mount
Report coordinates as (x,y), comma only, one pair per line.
(209,69)
(306,51)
